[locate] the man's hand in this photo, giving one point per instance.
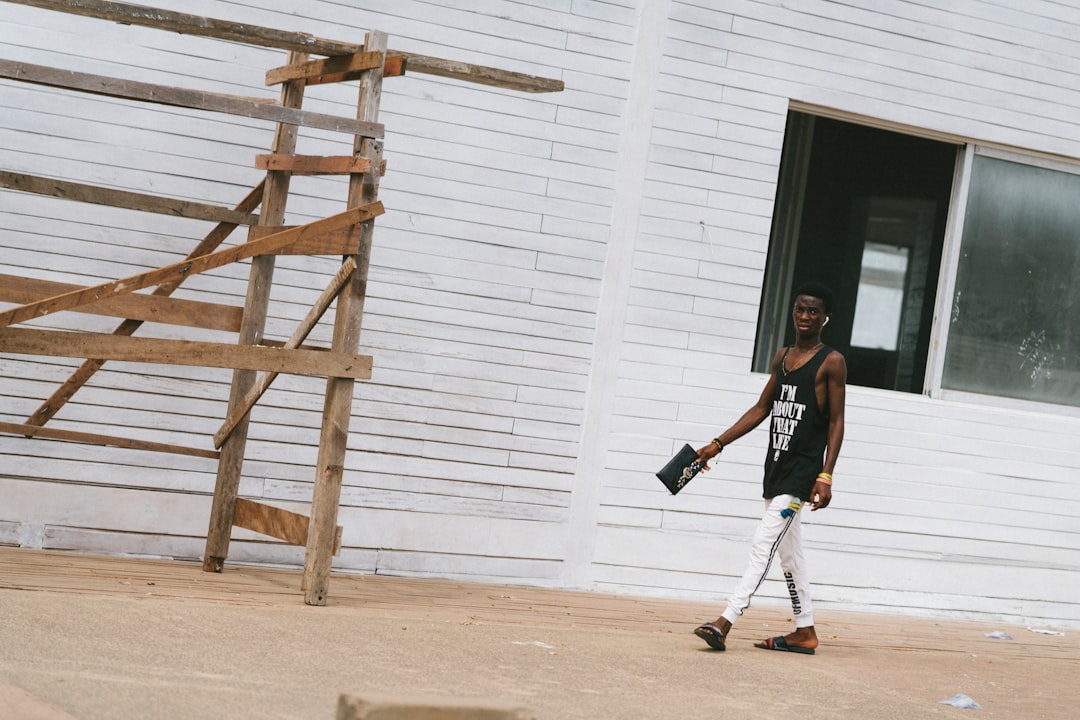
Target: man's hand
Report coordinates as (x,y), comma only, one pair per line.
(820,496)
(707,453)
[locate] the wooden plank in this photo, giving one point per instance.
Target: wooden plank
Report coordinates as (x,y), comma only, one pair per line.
(186,268)
(276,522)
(256,304)
(336,242)
(182,97)
(273,521)
(144,308)
(184,23)
(337,405)
(393,67)
(299,335)
(313,164)
(268,342)
(123,199)
(84,372)
(338,65)
(481,74)
(95,439)
(63,343)
(130,14)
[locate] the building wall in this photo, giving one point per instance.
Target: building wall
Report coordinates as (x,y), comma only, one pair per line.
(564,289)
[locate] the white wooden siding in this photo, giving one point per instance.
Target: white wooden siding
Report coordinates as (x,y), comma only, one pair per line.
(940,507)
(563,290)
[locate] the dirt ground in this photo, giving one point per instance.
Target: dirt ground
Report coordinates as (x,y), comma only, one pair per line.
(97,638)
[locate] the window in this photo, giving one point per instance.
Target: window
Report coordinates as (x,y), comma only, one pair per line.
(1014,329)
(864,211)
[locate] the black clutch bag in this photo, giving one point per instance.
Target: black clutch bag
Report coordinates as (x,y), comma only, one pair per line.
(680,470)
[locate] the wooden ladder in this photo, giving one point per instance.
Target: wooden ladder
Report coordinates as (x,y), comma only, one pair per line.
(319,533)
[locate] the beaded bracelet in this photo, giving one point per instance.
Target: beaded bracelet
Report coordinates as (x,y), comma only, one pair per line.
(719,445)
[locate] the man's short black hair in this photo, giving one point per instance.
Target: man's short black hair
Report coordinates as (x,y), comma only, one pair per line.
(816,289)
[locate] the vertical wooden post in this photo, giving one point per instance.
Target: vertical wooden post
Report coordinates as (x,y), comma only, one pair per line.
(231,460)
(337,408)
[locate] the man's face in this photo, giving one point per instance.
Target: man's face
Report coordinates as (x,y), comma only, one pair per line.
(809,315)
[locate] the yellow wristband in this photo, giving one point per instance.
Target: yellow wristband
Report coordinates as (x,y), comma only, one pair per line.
(825,478)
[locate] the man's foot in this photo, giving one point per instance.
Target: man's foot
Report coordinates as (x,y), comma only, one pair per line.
(714,633)
(803,641)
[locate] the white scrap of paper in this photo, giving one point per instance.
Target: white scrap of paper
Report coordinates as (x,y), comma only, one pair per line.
(961,700)
(537,643)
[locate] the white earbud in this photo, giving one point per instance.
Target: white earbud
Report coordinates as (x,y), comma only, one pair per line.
(826,322)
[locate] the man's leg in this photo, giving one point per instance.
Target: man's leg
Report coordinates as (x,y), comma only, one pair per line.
(796,577)
(793,565)
(767,538)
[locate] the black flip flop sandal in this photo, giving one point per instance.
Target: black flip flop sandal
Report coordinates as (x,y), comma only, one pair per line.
(711,635)
(779,643)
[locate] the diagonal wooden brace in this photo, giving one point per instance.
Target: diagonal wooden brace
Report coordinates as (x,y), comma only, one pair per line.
(169,273)
(261,385)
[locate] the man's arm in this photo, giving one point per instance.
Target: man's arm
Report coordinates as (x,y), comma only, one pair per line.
(836,388)
(749,420)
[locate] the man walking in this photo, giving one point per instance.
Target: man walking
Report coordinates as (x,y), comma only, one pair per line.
(805,399)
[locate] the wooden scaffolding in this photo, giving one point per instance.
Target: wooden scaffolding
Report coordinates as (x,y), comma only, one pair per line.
(255,361)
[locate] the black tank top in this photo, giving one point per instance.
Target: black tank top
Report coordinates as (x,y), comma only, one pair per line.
(798,431)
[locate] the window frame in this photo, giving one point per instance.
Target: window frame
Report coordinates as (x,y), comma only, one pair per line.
(967,149)
(950,267)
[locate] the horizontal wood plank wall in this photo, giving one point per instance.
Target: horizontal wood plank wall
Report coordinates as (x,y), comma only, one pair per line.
(486,276)
(484,281)
(940,507)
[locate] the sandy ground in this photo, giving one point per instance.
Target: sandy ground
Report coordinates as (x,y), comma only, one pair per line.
(96,638)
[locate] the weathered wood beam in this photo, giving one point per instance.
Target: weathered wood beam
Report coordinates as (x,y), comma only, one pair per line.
(339,65)
(270,342)
(96,195)
(130,14)
(256,307)
(480,74)
(348,320)
(184,23)
(304,329)
(186,268)
(95,439)
(313,164)
(394,66)
(338,242)
(63,343)
(276,522)
(87,369)
(182,97)
(144,308)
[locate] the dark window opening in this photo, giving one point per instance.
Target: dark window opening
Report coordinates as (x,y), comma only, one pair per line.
(864,211)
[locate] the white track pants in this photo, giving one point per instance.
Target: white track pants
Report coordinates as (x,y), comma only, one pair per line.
(776,535)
